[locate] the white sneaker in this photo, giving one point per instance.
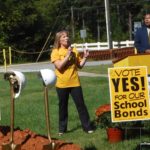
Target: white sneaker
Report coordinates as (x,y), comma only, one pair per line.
(90,131)
(60,133)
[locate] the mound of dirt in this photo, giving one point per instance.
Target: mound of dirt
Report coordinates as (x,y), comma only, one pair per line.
(28,140)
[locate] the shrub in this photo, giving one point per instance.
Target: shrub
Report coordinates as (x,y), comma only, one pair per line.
(104,120)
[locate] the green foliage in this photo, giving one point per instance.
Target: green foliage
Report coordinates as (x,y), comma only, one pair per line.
(26,24)
(146,125)
(105,121)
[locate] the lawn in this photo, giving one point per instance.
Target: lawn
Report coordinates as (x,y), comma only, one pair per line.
(29,111)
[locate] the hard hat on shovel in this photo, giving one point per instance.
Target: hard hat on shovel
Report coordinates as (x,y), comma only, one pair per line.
(19,81)
(48,76)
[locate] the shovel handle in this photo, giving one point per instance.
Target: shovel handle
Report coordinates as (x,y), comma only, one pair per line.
(12,113)
(47,113)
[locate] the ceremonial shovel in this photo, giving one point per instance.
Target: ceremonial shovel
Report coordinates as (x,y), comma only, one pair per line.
(51,145)
(13,88)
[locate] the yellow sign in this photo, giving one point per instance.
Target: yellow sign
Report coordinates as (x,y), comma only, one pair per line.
(129,93)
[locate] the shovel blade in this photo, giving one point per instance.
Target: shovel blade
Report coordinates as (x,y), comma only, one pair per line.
(11,146)
(51,146)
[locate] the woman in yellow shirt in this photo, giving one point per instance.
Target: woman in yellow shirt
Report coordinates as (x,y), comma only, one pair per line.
(67,60)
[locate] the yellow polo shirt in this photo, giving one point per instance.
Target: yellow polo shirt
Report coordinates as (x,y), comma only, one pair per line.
(68,77)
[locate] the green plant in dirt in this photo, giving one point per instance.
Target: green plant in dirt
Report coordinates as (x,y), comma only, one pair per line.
(146,125)
(104,120)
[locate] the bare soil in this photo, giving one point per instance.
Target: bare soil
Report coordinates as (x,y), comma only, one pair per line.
(28,140)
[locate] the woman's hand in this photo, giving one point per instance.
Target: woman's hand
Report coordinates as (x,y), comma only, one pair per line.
(70,53)
(86,53)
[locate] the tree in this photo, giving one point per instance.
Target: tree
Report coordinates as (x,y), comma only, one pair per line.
(26,24)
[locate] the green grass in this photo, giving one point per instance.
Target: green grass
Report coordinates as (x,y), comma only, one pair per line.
(29,111)
(101,69)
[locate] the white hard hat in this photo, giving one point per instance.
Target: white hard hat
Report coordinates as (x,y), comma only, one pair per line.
(48,76)
(18,79)
(21,82)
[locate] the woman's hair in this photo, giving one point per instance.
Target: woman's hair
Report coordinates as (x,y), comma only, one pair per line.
(57,38)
